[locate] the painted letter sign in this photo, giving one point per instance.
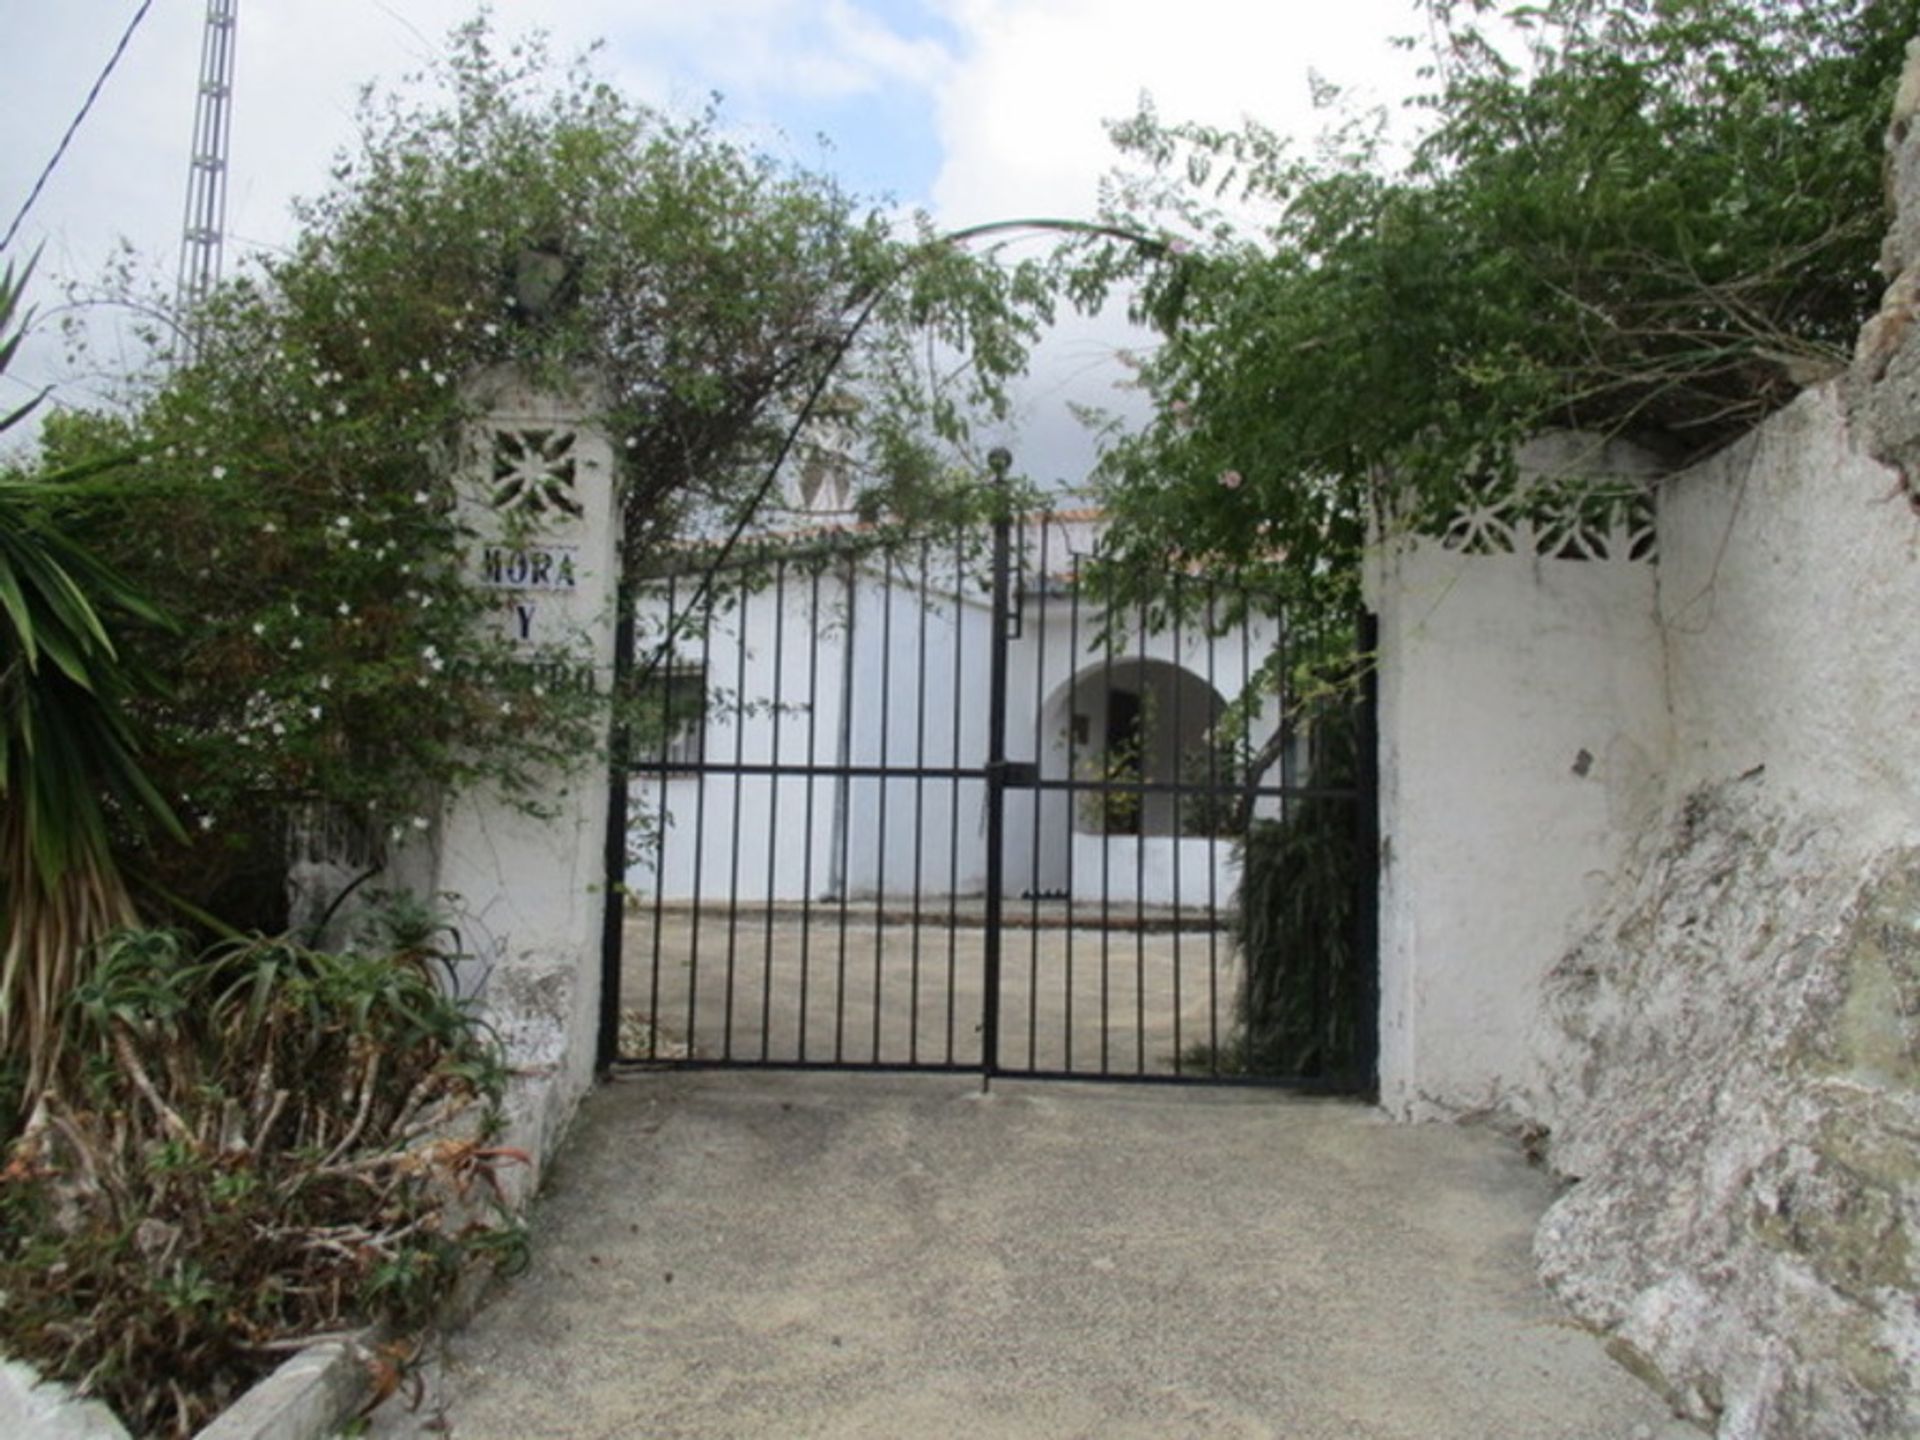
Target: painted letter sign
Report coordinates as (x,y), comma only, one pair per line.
(529,567)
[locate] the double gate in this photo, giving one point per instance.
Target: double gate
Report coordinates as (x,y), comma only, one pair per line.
(952,805)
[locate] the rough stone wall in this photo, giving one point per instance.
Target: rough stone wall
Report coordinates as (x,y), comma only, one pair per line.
(1745,1124)
(1735,1045)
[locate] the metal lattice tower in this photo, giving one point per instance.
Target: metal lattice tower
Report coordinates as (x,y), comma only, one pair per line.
(204,228)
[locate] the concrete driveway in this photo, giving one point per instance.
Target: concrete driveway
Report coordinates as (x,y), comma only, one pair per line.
(789,1255)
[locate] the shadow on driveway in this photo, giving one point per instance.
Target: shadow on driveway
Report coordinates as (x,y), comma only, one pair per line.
(789,1255)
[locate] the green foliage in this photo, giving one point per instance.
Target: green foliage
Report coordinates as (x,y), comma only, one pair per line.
(250,1146)
(68,757)
(1298,1008)
(291,501)
(1656,219)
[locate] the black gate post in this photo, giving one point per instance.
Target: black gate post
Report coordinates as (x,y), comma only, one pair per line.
(614,852)
(999,461)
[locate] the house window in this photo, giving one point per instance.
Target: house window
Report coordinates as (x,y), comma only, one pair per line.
(672,730)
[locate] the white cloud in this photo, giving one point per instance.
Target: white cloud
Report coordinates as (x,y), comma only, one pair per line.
(1021,120)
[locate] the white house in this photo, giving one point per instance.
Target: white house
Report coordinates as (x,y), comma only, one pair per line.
(829,715)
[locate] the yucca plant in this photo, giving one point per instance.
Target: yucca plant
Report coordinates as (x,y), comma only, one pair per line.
(67,755)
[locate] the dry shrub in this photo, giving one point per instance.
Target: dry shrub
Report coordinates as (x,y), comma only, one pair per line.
(242,1150)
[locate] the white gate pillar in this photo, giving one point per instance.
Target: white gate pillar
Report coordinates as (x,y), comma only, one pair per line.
(1522,728)
(535,488)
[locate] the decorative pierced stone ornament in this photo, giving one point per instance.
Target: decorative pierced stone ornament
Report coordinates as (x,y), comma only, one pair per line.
(534,472)
(1557,519)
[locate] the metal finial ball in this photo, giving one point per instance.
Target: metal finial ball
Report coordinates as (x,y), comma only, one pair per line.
(1000,460)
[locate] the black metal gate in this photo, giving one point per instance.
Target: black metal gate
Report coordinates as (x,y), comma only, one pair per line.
(950,805)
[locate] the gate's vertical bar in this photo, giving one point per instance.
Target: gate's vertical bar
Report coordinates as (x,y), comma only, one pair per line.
(880,838)
(1367,912)
(845,817)
(669,642)
(1071,796)
(739,791)
(773,805)
(1215,801)
(1142,727)
(813,760)
(999,461)
(919,799)
(703,596)
(1179,782)
(1103,794)
(1038,590)
(953,807)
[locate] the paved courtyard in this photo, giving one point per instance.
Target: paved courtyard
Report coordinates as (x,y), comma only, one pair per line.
(868,984)
(729,1254)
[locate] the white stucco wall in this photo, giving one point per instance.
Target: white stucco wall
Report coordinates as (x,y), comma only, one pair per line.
(1522,729)
(1764,643)
(1788,584)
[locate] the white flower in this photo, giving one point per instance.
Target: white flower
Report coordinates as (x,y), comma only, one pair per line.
(506,707)
(339,407)
(421,497)
(326,682)
(353,544)
(269,528)
(491,328)
(343,522)
(206,822)
(314,711)
(278,728)
(296,643)
(344,608)
(219,472)
(313,417)
(258,628)
(419,822)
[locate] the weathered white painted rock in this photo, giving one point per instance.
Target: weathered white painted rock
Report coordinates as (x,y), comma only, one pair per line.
(1747,1117)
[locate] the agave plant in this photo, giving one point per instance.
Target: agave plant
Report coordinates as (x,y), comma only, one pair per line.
(67,755)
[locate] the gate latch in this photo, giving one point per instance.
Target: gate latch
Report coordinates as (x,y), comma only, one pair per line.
(1019,774)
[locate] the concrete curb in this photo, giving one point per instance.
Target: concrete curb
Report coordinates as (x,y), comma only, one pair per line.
(308,1398)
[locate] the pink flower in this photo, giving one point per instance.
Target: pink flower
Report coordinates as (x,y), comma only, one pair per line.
(1230,479)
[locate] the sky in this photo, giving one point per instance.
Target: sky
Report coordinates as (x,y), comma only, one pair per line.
(974,110)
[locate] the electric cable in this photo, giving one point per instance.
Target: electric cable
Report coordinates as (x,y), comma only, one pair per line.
(66,139)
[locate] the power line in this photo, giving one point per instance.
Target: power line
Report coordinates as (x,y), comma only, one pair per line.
(66,139)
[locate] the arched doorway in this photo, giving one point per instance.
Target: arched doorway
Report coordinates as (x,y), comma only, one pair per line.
(1129,722)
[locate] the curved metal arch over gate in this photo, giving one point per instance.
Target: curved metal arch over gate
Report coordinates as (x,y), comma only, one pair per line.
(944,805)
